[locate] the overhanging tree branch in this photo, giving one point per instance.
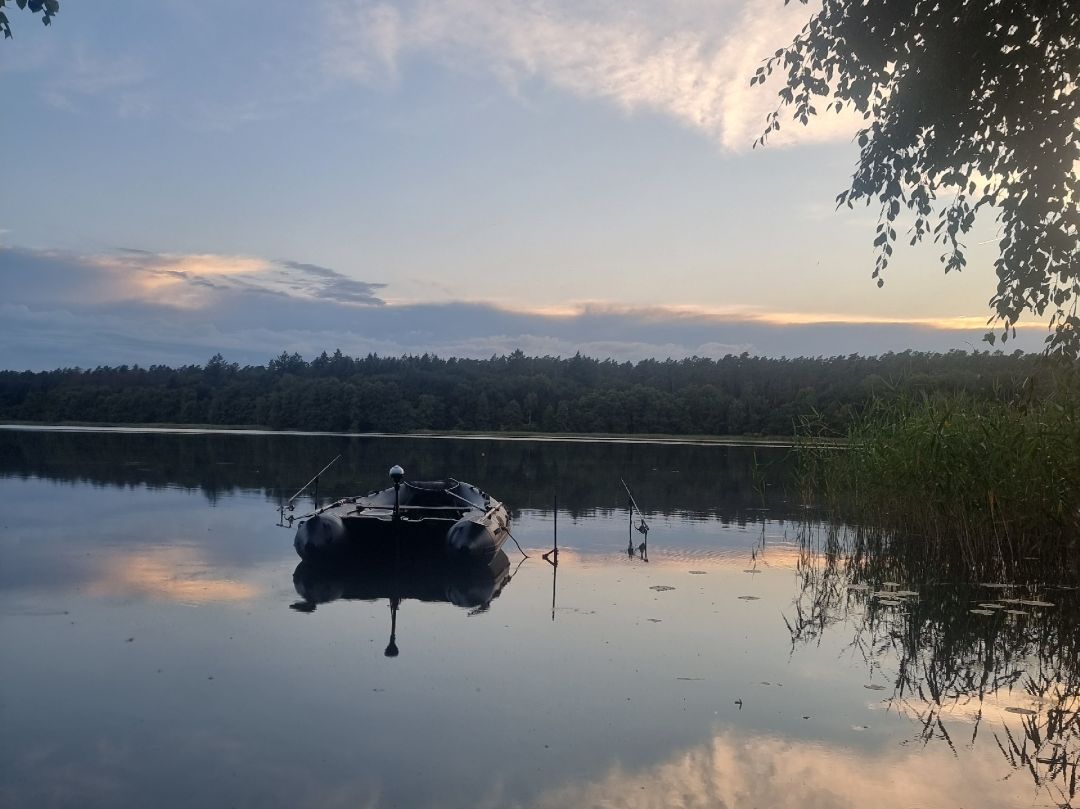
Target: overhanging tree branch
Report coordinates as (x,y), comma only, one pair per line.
(47,8)
(967,104)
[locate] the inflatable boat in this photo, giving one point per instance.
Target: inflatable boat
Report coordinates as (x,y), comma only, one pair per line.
(449,517)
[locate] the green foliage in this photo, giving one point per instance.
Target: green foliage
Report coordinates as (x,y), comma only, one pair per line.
(991,484)
(735,395)
(967,105)
(47,8)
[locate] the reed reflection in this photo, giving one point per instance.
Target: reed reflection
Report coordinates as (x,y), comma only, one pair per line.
(1002,656)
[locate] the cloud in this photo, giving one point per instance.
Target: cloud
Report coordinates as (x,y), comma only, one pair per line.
(720,315)
(321,281)
(131,306)
(170,280)
(690,61)
(85,75)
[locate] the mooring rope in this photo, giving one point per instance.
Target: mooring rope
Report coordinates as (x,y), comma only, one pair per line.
(517,543)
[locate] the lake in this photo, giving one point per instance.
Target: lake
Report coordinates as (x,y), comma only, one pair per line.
(163,647)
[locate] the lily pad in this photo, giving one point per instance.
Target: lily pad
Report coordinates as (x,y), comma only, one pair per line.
(1021,711)
(697,572)
(661,588)
(992,606)
(1015,612)
(874,687)
(748,598)
(1031,602)
(981,612)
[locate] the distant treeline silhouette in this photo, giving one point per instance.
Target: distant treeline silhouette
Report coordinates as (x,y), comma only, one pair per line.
(735,395)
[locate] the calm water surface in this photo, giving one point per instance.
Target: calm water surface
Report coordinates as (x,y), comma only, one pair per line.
(161,647)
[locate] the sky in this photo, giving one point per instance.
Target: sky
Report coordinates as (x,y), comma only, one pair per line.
(463,177)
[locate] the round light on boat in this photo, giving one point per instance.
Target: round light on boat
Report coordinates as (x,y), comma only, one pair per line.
(397,474)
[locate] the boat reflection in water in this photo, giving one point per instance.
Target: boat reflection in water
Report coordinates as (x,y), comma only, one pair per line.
(471,583)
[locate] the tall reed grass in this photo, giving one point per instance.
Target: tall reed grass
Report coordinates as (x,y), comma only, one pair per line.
(991,484)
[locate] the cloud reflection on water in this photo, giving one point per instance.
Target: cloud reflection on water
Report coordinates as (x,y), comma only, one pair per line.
(735,770)
(175,573)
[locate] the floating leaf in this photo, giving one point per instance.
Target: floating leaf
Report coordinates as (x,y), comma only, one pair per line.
(1031,602)
(874,687)
(1021,711)
(1015,612)
(748,598)
(992,606)
(981,612)
(661,588)
(697,572)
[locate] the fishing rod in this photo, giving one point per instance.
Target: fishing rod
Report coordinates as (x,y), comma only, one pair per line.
(289,503)
(643,528)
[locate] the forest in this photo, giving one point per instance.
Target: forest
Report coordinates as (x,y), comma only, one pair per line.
(734,395)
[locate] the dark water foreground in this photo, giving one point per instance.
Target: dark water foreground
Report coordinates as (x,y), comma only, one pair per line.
(162,648)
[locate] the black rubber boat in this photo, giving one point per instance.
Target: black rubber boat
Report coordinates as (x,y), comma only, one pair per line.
(447,517)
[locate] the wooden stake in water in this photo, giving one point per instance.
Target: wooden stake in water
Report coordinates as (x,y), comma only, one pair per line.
(554,552)
(552,556)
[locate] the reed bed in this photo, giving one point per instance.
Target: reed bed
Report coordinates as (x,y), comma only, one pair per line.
(990,485)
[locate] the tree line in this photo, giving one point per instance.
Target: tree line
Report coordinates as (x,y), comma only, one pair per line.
(733,395)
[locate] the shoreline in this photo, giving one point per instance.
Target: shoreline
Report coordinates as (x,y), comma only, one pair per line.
(581,438)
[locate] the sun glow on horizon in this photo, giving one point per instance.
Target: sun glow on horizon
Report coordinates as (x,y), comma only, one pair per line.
(727,314)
